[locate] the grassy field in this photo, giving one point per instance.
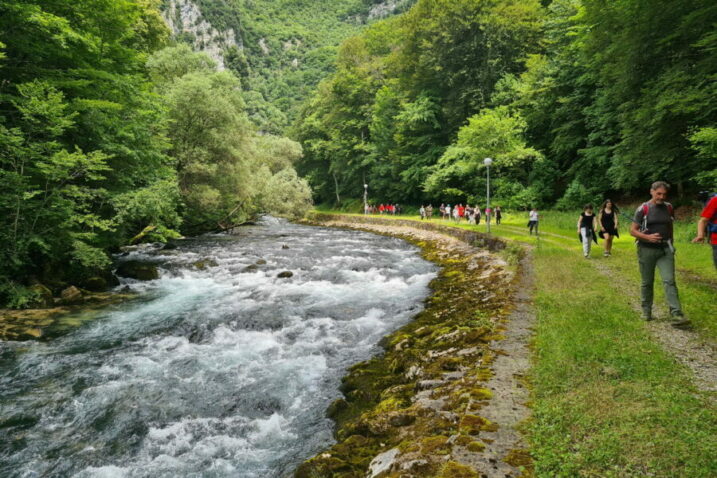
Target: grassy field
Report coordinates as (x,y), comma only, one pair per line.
(608,400)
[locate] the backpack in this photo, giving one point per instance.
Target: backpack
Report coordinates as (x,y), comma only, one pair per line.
(711,226)
(646,208)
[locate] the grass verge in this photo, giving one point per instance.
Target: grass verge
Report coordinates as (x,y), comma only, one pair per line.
(607,400)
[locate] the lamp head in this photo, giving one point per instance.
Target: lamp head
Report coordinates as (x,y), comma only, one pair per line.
(488,161)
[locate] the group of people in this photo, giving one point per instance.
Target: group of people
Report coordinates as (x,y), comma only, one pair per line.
(606,222)
(652,227)
(392,209)
(460,212)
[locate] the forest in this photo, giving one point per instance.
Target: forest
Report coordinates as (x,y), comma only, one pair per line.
(111,134)
(575,101)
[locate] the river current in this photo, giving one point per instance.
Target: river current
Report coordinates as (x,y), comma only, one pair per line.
(224,371)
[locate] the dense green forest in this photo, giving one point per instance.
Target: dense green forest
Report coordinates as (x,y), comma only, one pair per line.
(574,100)
(288,47)
(109,135)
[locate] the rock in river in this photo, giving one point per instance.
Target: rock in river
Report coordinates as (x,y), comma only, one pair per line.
(138,270)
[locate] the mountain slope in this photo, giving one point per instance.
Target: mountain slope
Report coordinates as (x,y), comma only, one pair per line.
(281,49)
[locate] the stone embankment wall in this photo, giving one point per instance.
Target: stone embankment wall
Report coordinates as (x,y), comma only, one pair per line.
(421,407)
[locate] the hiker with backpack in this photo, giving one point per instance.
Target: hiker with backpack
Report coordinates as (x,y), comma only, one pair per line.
(652,227)
(707,226)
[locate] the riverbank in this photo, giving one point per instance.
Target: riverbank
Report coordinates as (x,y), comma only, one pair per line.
(433,404)
(609,398)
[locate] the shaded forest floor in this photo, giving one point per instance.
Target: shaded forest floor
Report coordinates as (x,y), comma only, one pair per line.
(612,395)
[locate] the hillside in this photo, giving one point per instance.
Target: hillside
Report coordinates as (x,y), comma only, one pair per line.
(280,49)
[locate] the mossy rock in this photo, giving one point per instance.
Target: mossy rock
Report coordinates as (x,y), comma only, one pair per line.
(336,407)
(95,284)
(71,295)
(205,264)
(285,275)
(43,296)
(138,270)
(456,470)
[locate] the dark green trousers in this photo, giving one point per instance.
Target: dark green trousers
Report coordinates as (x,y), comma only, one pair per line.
(663,259)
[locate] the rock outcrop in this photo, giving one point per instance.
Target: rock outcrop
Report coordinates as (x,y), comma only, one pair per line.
(185,17)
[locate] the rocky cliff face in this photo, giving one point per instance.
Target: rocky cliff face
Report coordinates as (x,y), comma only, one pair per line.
(185,18)
(388,7)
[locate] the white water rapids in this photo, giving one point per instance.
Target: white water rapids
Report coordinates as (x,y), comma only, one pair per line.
(220,372)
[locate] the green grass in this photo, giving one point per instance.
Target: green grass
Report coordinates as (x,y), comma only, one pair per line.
(608,400)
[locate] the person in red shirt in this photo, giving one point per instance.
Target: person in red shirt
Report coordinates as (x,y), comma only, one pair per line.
(707,218)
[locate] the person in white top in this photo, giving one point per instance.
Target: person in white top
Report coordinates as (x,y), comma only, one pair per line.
(533,221)
(448,211)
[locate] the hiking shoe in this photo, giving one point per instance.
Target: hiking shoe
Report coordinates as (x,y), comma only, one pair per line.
(680,322)
(646,315)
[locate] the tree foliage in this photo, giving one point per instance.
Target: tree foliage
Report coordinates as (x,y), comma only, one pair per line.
(103,136)
(574,99)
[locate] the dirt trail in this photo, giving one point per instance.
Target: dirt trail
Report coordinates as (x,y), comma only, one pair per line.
(510,394)
(685,346)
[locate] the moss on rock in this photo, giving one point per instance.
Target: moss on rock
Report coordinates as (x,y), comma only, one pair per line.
(418,395)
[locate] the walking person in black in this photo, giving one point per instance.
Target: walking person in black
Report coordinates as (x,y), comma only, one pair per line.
(607,219)
(498,215)
(586,229)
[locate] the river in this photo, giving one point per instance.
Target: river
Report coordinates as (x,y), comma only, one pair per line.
(224,371)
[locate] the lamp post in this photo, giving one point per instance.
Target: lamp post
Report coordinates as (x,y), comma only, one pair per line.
(365,198)
(487,162)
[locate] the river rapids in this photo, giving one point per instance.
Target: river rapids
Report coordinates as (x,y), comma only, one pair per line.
(224,371)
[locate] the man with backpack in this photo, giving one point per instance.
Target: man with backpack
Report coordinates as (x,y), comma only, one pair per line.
(707,226)
(653,229)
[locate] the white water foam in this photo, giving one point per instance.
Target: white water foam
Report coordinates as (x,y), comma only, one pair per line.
(224,371)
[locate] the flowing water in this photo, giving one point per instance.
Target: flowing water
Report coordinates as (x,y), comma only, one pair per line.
(225,371)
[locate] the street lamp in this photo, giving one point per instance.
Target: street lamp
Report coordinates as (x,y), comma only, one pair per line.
(365,198)
(487,162)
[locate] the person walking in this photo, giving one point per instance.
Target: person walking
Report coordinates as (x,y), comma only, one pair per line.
(498,215)
(707,226)
(586,229)
(429,212)
(607,219)
(478,214)
(470,214)
(488,214)
(533,217)
(422,212)
(652,227)
(448,211)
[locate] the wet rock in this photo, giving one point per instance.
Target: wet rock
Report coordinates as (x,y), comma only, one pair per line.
(71,295)
(284,246)
(205,263)
(43,296)
(382,462)
(251,268)
(260,262)
(285,274)
(169,246)
(336,407)
(138,270)
(96,284)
